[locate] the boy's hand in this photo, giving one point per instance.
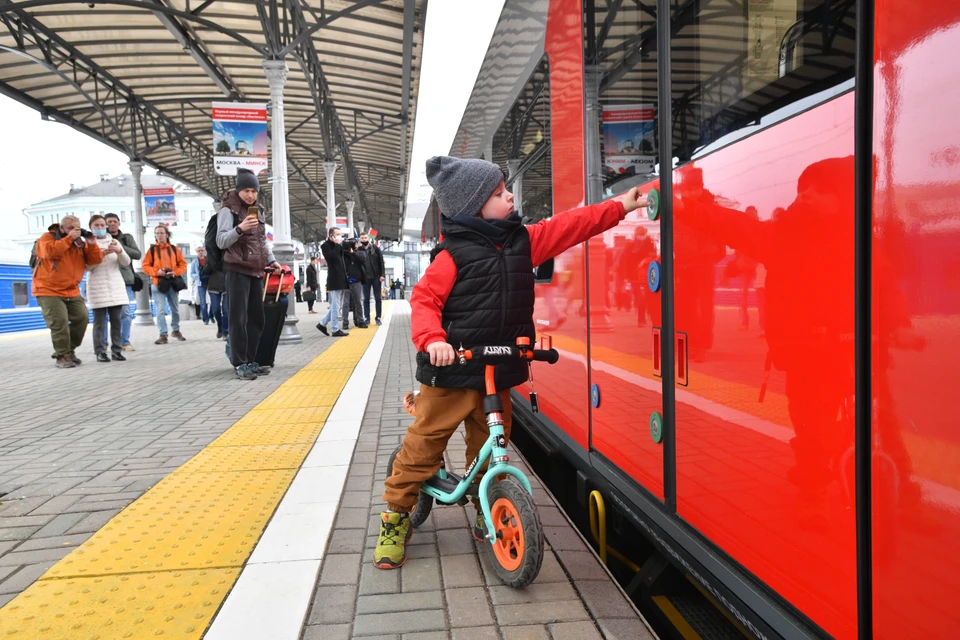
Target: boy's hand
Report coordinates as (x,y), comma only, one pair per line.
(441,353)
(631,199)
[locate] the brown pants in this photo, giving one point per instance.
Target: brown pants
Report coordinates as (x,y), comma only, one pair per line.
(439,413)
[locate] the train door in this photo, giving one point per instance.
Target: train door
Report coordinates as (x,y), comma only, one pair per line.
(916,320)
(763,215)
(620,78)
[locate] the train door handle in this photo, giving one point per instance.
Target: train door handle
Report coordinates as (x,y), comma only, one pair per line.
(656,352)
(681,342)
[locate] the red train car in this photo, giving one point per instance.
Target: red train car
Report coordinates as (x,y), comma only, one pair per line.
(760,376)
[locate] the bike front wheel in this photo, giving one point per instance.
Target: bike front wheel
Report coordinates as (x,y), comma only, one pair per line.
(518,549)
(424,504)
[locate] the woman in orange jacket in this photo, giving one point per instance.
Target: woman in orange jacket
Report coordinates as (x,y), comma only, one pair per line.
(163,262)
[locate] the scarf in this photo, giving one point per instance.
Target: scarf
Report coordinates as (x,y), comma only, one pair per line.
(497,231)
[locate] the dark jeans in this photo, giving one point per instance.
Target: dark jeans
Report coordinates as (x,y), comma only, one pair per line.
(204,313)
(116,329)
(245,302)
(377,295)
(218,310)
(67,320)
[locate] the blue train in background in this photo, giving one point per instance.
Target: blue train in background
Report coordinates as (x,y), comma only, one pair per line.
(19,310)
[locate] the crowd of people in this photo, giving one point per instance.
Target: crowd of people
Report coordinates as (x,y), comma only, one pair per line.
(226,281)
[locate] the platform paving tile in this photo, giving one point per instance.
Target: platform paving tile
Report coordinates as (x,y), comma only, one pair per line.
(448,589)
(77,446)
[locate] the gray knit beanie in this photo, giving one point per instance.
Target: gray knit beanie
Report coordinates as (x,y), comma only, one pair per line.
(246,179)
(462,186)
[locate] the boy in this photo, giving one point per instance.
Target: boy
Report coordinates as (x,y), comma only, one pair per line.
(477,290)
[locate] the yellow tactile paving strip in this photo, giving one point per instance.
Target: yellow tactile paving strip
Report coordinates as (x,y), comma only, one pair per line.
(165,564)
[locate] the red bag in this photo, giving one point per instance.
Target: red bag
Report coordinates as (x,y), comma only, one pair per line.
(283,285)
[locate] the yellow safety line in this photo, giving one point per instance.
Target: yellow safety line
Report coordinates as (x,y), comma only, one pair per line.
(163,566)
(933,458)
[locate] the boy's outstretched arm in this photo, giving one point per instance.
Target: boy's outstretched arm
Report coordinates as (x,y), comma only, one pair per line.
(549,238)
(428,299)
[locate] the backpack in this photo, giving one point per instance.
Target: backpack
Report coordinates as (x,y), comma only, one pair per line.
(214,252)
(35,259)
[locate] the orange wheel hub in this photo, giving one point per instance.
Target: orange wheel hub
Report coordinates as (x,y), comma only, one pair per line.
(508,547)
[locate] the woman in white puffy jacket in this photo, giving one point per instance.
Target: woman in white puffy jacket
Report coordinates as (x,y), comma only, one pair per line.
(106,291)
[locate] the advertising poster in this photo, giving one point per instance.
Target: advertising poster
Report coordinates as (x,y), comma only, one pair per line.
(239,137)
(768,21)
(160,207)
(629,142)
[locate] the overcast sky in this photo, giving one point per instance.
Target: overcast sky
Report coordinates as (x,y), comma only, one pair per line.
(42,159)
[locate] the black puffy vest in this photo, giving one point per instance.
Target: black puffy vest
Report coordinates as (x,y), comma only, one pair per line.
(491,303)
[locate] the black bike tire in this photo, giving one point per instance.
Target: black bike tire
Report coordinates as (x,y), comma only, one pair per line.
(424,504)
(533,543)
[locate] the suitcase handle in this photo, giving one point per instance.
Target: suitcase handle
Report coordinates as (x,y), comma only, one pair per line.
(266,282)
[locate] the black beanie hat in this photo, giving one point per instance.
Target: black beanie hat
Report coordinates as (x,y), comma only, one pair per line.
(462,186)
(246,179)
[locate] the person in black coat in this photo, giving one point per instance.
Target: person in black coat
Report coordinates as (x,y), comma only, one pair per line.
(376,274)
(337,285)
(313,286)
(356,261)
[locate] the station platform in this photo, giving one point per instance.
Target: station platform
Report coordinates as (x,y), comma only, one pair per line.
(162,497)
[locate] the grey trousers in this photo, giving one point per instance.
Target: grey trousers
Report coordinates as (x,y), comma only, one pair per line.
(116,339)
(353,301)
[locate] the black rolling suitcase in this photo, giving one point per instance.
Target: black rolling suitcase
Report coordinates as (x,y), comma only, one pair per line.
(274,312)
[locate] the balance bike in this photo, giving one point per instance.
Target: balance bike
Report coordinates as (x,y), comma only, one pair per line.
(512,523)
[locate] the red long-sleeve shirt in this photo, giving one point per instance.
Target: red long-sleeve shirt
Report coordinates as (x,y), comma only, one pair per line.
(548,238)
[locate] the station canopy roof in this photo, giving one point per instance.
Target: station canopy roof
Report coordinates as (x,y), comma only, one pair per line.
(141,76)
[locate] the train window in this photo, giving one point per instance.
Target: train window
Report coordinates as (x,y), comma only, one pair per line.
(123,216)
(21,294)
(621,66)
(521,146)
(738,64)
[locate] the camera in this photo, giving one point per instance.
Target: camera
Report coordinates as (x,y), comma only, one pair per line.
(86,235)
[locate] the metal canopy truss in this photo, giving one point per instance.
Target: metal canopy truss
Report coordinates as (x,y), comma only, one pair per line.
(140,76)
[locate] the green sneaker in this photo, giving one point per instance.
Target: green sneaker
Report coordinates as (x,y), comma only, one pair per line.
(395,532)
(480,528)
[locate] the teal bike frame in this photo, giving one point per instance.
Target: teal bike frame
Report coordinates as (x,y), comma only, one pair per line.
(493,449)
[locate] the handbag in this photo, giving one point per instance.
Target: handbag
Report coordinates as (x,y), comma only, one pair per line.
(178,283)
(309,296)
(137,283)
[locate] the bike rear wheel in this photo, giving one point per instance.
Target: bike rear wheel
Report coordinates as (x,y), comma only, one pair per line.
(424,504)
(518,549)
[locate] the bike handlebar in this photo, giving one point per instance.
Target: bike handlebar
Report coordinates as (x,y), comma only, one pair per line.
(496,354)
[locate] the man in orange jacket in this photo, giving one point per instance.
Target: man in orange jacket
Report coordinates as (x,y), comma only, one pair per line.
(62,258)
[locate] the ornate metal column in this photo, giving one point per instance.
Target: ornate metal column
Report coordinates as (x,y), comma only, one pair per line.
(350,205)
(330,168)
(276,71)
(143,315)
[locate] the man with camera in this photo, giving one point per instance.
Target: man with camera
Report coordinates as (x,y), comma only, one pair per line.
(356,260)
(242,235)
(63,254)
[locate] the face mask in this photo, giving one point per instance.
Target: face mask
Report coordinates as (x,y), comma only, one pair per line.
(365,242)
(337,239)
(100,233)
